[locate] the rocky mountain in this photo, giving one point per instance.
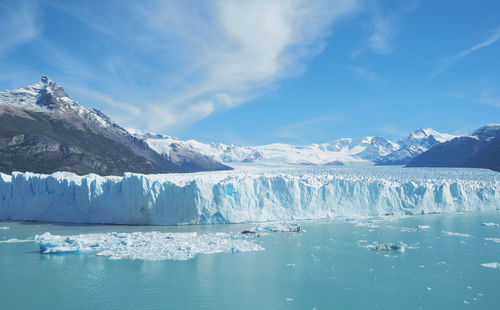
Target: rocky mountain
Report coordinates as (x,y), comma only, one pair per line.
(43,130)
(481,149)
(367,150)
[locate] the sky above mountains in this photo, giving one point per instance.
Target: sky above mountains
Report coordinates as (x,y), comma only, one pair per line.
(255,72)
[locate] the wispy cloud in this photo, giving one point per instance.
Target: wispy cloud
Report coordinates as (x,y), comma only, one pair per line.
(199,58)
(383,29)
(490,99)
(17,24)
(393,130)
(447,62)
(314,126)
(365,74)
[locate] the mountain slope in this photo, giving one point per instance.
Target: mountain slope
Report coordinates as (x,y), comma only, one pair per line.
(415,144)
(43,130)
(367,150)
(479,150)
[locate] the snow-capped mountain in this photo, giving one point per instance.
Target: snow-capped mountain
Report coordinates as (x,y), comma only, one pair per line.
(367,150)
(481,149)
(415,144)
(43,130)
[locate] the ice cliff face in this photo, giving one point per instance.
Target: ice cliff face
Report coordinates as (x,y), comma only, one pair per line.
(245,195)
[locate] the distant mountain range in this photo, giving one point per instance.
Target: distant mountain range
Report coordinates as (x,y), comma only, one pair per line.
(367,150)
(481,149)
(43,130)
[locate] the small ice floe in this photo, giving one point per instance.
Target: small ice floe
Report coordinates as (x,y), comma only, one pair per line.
(15,240)
(407,229)
(289,299)
(423,227)
(496,240)
(4,227)
(450,233)
(279,227)
(147,245)
(493,265)
(491,224)
(398,247)
(429,288)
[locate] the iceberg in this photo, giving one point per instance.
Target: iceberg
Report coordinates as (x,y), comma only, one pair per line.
(246,195)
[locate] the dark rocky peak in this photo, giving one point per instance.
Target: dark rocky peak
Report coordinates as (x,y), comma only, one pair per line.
(50,94)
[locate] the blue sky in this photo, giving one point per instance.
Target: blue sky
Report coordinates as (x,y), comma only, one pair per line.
(254,72)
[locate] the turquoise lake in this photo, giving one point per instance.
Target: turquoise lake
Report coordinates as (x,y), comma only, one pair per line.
(327,266)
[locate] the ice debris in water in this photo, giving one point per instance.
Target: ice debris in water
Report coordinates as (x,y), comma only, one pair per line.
(494,265)
(147,245)
(278,227)
(423,227)
(398,247)
(496,240)
(4,227)
(491,224)
(15,240)
(450,233)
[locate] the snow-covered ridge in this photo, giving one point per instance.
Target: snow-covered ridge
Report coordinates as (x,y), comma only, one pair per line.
(49,97)
(249,195)
(367,150)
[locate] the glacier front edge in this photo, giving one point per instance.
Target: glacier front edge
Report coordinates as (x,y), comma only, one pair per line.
(246,195)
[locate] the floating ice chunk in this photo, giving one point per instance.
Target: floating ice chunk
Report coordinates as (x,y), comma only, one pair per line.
(429,288)
(15,240)
(398,247)
(279,227)
(4,227)
(147,245)
(423,227)
(496,240)
(450,233)
(491,224)
(493,265)
(407,229)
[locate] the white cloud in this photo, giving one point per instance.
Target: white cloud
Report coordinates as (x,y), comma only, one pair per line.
(384,29)
(17,24)
(211,55)
(451,60)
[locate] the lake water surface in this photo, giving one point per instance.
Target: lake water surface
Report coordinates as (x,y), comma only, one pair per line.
(329,266)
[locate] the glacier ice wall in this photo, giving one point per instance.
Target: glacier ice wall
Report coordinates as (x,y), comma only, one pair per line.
(246,195)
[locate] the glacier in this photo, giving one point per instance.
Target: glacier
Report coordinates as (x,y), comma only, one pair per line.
(246,195)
